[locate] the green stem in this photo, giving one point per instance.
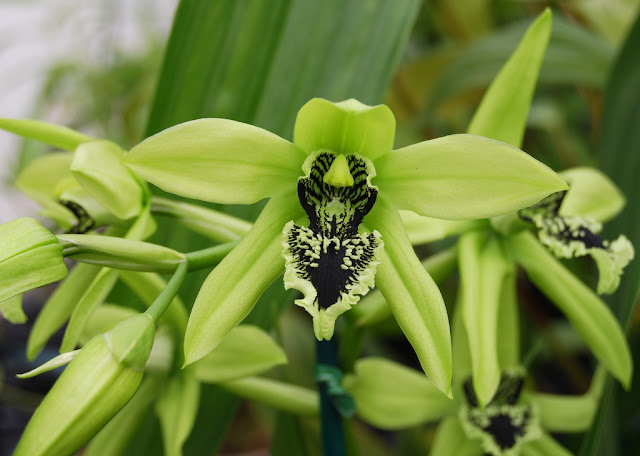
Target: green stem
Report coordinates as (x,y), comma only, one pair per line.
(207,258)
(163,300)
(332,430)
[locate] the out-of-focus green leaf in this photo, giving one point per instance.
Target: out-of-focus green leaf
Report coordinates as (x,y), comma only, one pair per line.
(618,153)
(574,56)
(244,61)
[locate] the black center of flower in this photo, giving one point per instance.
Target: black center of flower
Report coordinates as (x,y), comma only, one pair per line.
(85,222)
(505,433)
(330,262)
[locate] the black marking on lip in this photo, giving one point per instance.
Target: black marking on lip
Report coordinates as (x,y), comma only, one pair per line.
(85,222)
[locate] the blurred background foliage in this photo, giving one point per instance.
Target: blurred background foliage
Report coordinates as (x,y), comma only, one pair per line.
(258,62)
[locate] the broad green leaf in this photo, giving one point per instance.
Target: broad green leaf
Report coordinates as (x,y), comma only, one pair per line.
(587,313)
(502,115)
(114,437)
(483,269)
(59,306)
(55,135)
(177,408)
(60,360)
(120,253)
(347,127)
(392,396)
(218,160)
(452,441)
(463,177)
(413,297)
(30,257)
(422,230)
(11,310)
(97,167)
(619,136)
(234,286)
(245,351)
(591,194)
(281,396)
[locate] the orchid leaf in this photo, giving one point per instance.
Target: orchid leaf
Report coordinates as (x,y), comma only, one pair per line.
(177,408)
(413,297)
(217,160)
(234,286)
(587,313)
(465,176)
(502,115)
(347,127)
(591,194)
(55,135)
(246,351)
(392,396)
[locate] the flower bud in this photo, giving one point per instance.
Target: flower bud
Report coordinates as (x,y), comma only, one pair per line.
(30,257)
(94,387)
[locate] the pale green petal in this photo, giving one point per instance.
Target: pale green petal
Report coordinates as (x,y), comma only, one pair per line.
(587,313)
(234,286)
(451,440)
(97,167)
(460,345)
(483,270)
(42,175)
(392,396)
(413,297)
(591,194)
(11,310)
(463,177)
(105,318)
(177,408)
(544,446)
(422,230)
(60,360)
(502,115)
(563,413)
(348,127)
(218,160)
(509,323)
(246,351)
(55,135)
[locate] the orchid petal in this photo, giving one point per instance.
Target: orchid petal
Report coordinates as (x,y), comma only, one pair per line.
(545,445)
(392,396)
(41,176)
(11,310)
(413,297)
(348,127)
(234,286)
(422,230)
(587,313)
(502,115)
(463,177)
(452,441)
(591,194)
(218,160)
(509,323)
(55,135)
(483,268)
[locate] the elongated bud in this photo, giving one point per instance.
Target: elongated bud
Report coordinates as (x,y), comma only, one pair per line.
(96,165)
(30,257)
(94,387)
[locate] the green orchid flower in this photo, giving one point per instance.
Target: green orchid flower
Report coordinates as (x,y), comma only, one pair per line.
(516,421)
(341,175)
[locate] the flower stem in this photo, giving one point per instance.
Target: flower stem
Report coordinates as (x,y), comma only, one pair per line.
(332,430)
(163,300)
(205,258)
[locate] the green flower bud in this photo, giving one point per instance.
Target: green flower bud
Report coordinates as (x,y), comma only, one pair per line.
(94,387)
(30,257)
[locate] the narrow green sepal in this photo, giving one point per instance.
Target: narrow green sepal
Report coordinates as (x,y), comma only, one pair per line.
(591,194)
(347,127)
(30,257)
(11,310)
(54,363)
(451,440)
(422,230)
(54,135)
(97,167)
